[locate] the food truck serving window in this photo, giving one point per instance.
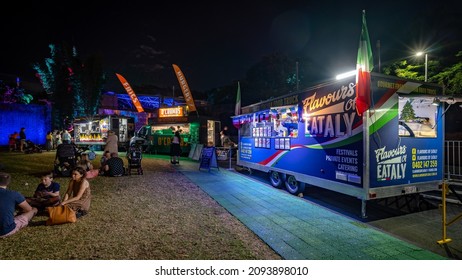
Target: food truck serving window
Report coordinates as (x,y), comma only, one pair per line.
(284,121)
(417,117)
(276,122)
(169,128)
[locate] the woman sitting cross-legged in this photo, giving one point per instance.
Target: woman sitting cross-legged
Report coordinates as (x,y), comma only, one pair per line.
(78,194)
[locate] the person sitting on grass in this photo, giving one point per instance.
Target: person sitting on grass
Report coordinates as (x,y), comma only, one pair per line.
(86,164)
(9,200)
(114,166)
(104,158)
(46,194)
(78,194)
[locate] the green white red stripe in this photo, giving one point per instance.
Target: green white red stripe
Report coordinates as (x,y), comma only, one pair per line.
(364,67)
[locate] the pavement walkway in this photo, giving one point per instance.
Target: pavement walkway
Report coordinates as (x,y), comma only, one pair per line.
(295,228)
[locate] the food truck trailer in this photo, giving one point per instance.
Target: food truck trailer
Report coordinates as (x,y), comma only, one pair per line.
(317,138)
(92,131)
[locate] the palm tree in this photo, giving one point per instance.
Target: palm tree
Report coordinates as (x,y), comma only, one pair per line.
(74,87)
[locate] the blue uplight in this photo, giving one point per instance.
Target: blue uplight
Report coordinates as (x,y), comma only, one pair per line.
(35,118)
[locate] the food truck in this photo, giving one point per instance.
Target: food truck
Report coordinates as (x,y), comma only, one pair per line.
(156,136)
(317,138)
(92,131)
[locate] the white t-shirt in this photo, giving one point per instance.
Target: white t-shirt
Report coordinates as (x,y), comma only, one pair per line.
(281,130)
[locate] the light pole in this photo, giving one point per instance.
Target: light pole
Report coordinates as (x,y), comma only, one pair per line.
(426,62)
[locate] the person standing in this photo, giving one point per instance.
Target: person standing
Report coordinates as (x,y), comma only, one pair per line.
(111,142)
(175,148)
(49,141)
(66,136)
(59,139)
(225,140)
(12,141)
(53,136)
(225,131)
(22,139)
(9,200)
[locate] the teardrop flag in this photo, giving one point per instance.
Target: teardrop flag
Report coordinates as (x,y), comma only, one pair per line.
(184,88)
(131,93)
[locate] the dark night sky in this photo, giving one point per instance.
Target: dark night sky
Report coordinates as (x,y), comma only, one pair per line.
(215,44)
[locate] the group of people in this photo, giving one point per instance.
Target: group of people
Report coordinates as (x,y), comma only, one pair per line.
(17,141)
(56,138)
(68,156)
(112,165)
(47,194)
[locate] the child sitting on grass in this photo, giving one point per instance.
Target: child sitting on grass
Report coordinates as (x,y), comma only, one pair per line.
(86,164)
(46,194)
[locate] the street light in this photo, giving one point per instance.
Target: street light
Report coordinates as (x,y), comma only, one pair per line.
(346,74)
(426,62)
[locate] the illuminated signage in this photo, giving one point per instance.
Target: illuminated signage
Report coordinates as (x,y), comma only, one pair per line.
(171,112)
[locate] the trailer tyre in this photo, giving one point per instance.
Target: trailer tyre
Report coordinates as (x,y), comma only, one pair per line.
(276,179)
(293,186)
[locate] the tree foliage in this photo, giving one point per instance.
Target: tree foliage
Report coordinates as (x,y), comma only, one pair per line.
(14,94)
(74,86)
(405,69)
(448,75)
(451,77)
(54,78)
(87,83)
(273,76)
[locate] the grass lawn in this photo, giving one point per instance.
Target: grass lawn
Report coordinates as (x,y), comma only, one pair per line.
(160,215)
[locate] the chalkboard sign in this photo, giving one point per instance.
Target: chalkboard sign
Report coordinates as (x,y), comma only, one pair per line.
(208,158)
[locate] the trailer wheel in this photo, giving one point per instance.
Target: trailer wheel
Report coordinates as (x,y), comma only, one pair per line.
(293,186)
(276,179)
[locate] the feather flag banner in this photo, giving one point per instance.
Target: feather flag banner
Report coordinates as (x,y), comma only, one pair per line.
(364,67)
(131,93)
(184,88)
